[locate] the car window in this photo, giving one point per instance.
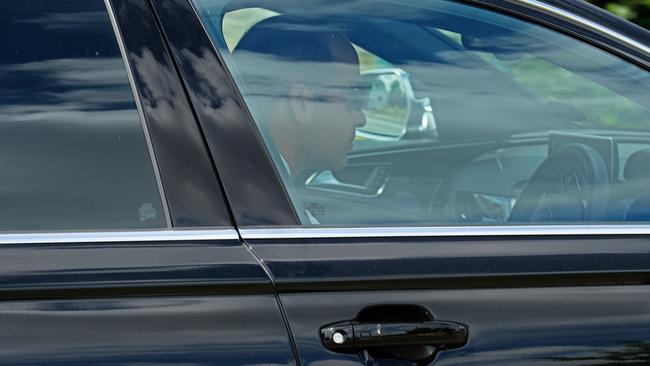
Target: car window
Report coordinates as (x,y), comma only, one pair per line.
(73,152)
(583,101)
(436,112)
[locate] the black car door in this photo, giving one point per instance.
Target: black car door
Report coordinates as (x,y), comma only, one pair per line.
(498,268)
(110,254)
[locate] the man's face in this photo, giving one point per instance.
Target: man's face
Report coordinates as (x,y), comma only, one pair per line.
(332,112)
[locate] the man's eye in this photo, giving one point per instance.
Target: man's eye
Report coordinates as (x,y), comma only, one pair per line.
(322,99)
(333,99)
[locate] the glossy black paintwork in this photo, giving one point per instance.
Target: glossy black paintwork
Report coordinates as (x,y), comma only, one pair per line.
(517,326)
(191,186)
(328,264)
(519,296)
(194,303)
(114,269)
(185,330)
(251,183)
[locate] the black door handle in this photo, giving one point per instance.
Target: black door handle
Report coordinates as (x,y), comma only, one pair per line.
(405,332)
(353,337)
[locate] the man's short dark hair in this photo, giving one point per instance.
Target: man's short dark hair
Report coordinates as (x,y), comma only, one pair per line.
(292,38)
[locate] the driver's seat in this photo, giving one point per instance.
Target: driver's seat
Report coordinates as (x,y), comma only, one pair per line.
(639,209)
(637,175)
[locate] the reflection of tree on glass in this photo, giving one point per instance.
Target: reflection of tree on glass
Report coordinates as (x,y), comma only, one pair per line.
(637,11)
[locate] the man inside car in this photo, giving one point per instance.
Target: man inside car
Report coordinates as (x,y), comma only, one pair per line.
(312,104)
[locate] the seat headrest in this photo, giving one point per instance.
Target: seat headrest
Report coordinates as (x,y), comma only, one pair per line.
(638,165)
(639,209)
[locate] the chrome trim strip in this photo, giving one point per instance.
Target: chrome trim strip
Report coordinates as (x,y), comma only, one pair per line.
(136,96)
(118,236)
(587,23)
(443,231)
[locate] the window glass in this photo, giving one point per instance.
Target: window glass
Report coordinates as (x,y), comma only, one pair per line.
(73,154)
(436,112)
(593,104)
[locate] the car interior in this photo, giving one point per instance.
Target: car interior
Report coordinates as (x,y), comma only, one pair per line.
(490,150)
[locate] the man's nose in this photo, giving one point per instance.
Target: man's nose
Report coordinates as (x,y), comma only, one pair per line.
(359,119)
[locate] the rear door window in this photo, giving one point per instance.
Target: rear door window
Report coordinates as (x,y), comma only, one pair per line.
(73,148)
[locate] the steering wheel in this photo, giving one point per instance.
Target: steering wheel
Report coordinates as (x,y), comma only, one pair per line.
(572,184)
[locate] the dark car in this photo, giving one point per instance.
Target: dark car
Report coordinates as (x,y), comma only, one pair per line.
(323,182)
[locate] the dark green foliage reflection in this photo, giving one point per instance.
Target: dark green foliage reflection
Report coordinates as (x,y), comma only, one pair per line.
(637,11)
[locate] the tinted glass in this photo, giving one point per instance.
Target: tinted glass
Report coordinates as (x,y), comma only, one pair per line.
(73,153)
(434,112)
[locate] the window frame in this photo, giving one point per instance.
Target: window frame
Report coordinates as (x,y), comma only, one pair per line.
(138,104)
(193,190)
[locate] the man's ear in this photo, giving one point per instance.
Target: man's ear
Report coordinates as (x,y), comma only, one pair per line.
(299,95)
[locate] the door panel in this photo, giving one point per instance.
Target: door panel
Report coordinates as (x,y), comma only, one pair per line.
(194,330)
(195,301)
(311,264)
(525,301)
(117,269)
(524,326)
